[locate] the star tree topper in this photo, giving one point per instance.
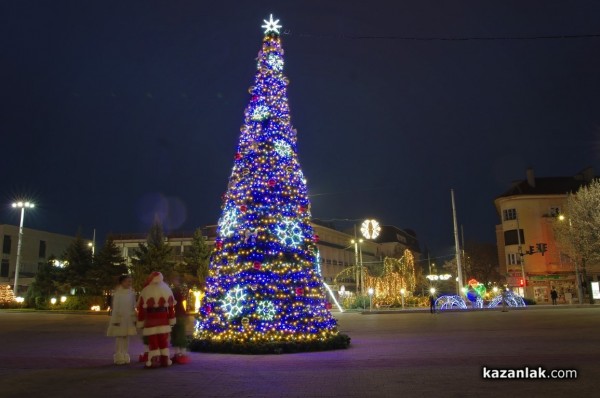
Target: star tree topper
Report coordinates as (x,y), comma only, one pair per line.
(270,25)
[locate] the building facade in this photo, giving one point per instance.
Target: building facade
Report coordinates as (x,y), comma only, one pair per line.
(527,248)
(336,250)
(36,248)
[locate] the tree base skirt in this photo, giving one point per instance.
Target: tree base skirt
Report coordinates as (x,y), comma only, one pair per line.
(337,342)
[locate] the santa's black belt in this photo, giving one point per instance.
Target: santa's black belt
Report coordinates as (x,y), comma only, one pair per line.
(160,309)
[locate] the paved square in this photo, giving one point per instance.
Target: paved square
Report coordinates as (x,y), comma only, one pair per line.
(410,354)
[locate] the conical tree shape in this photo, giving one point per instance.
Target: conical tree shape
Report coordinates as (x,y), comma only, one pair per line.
(264,281)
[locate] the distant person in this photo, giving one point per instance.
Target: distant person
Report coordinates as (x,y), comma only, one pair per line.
(553,296)
(122,319)
(432,303)
(178,333)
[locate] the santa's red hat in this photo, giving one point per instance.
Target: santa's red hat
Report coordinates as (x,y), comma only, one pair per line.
(155,277)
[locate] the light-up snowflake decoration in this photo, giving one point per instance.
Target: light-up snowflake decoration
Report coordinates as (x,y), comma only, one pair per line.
(234,301)
(282,148)
(261,112)
(270,25)
(266,310)
(370,229)
(289,232)
(275,62)
(228,222)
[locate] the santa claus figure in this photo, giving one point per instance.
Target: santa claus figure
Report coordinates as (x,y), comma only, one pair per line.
(156,315)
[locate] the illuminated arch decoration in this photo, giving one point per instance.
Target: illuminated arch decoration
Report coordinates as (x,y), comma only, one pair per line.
(512,300)
(234,301)
(450,302)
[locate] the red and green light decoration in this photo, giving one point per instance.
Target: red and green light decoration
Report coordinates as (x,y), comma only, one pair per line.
(264,282)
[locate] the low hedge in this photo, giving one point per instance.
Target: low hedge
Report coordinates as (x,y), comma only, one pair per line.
(339,341)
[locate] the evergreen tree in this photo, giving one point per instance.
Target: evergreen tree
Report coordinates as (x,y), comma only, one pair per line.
(49,281)
(264,281)
(108,265)
(78,257)
(194,268)
(154,255)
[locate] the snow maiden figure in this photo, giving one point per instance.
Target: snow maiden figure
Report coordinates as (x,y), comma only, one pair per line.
(122,319)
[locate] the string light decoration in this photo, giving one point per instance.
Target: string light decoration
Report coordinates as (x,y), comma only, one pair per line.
(264,283)
(398,274)
(7,295)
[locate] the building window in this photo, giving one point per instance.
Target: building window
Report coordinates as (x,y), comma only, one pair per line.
(554,211)
(6,244)
(509,214)
(42,250)
(512,258)
(511,238)
(4,268)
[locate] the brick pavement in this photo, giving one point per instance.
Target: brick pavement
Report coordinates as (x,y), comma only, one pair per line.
(392,355)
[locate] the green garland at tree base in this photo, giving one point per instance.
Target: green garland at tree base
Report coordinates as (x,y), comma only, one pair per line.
(339,341)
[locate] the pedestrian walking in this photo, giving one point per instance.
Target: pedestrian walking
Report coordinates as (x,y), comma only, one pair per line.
(122,319)
(432,303)
(553,295)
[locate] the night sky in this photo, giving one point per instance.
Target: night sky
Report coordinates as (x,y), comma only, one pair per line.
(113,111)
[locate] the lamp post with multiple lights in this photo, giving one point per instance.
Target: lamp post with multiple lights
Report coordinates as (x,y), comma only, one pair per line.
(22,206)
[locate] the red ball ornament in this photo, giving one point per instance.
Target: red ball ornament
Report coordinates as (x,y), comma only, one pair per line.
(238,156)
(272,183)
(328,305)
(315,238)
(301,209)
(255,98)
(257,265)
(243,208)
(218,245)
(299,291)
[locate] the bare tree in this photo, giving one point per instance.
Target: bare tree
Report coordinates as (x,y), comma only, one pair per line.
(577,229)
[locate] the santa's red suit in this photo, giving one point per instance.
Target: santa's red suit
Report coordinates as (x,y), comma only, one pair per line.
(156,315)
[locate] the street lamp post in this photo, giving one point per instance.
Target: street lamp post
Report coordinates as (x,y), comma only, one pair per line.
(402,291)
(578,281)
(22,206)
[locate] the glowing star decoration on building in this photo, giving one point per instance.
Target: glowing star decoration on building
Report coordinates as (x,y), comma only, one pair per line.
(234,301)
(271,26)
(264,284)
(289,232)
(370,229)
(266,310)
(228,222)
(282,148)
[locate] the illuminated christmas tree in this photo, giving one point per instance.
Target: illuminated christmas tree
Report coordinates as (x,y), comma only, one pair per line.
(264,283)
